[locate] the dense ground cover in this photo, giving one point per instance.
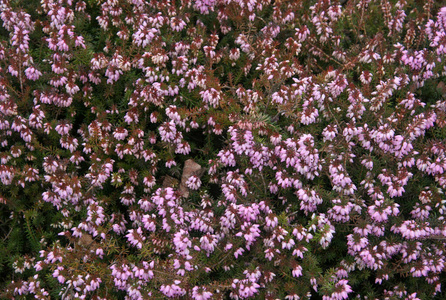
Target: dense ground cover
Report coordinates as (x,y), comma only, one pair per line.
(222,149)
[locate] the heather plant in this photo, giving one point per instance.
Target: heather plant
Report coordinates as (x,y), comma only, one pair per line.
(222,149)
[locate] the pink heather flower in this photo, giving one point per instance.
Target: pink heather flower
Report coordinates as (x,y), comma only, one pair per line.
(410,229)
(271,221)
(208,243)
(211,96)
(302,33)
(71,88)
(194,124)
(366,77)
(270,253)
(169,132)
(100,252)
(250,233)
(172,113)
(273,188)
(200,293)
(254,275)
(297,271)
(32,73)
(368,163)
(154,117)
(121,274)
(309,200)
(379,212)
(193,182)
(63,127)
(152,138)
(20,39)
(131,117)
(341,291)
(204,6)
(69,143)
(77,158)
(299,251)
(182,242)
(144,35)
(149,181)
(56,274)
(330,132)
(239,252)
(173,290)
(341,272)
(396,24)
(283,181)
(53,257)
(93,284)
(246,288)
(302,233)
(228,247)
(363,229)
(340,212)
(183,148)
(170,163)
(38,266)
(309,114)
(120,133)
(227,158)
(177,24)
(234,54)
(395,190)
(95,214)
(327,236)
(276,138)
(356,243)
(288,244)
(136,237)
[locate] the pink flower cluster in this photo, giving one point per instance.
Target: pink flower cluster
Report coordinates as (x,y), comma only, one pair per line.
(318,133)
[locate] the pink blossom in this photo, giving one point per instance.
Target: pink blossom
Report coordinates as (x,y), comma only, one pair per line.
(32,73)
(136,237)
(200,293)
(297,271)
(211,96)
